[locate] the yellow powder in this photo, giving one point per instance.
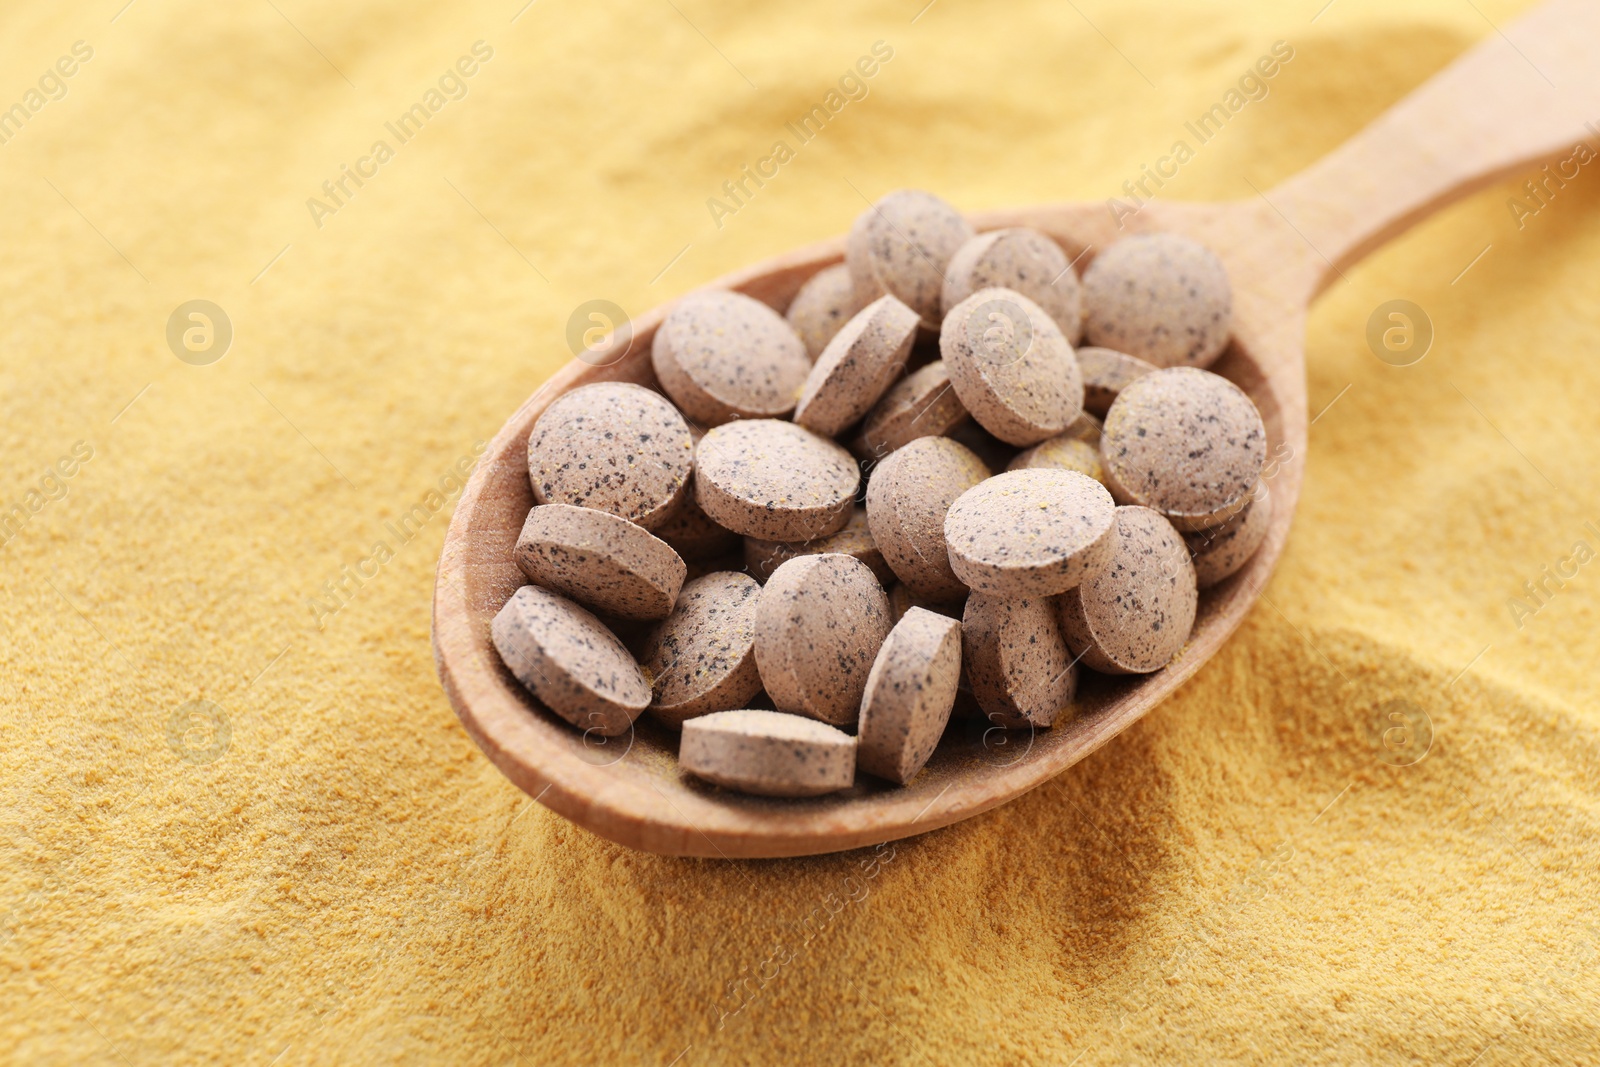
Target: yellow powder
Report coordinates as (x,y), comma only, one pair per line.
(1240,877)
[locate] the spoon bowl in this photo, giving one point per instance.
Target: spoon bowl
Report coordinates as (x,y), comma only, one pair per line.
(1491,114)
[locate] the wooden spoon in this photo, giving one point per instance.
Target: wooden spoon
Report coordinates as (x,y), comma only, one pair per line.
(1521,97)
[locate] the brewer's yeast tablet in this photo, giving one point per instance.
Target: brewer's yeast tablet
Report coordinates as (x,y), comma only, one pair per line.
(822,306)
(907,498)
(768,753)
(818,628)
(909,694)
(1033,532)
(570,661)
(702,658)
(1025,261)
(598,559)
(774,480)
(722,355)
(857,367)
(1018,664)
(1011,366)
(1161,297)
(613,446)
(1135,614)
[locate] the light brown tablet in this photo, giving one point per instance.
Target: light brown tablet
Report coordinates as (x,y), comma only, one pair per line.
(901,245)
(907,497)
(910,691)
(1011,366)
(764,557)
(597,559)
(1135,614)
(1161,297)
(1106,372)
(570,661)
(857,367)
(722,356)
(693,535)
(703,657)
(1034,532)
(822,306)
(774,480)
(1022,260)
(922,404)
(1064,453)
(1221,550)
(768,753)
(819,626)
(615,447)
(1185,442)
(1018,665)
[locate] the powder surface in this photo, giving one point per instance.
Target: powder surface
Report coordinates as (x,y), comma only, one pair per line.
(318,866)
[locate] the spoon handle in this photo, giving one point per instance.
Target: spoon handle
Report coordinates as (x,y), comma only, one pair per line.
(1528,94)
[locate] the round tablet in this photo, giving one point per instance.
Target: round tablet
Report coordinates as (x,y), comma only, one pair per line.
(1021,671)
(570,661)
(1187,443)
(1161,297)
(1106,373)
(764,557)
(1011,366)
(1034,532)
(774,480)
(768,753)
(907,498)
(857,367)
(910,691)
(1220,551)
(922,404)
(722,356)
(605,562)
(1064,453)
(1135,614)
(693,535)
(818,628)
(822,307)
(615,447)
(703,657)
(1025,261)
(900,246)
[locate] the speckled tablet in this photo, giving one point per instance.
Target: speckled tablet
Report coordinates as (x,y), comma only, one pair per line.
(910,691)
(1034,532)
(1161,297)
(1185,442)
(774,480)
(722,355)
(1135,614)
(1063,453)
(613,446)
(1025,261)
(570,661)
(703,657)
(822,306)
(901,245)
(819,626)
(857,367)
(606,563)
(1106,372)
(763,557)
(1220,551)
(1018,664)
(907,498)
(768,753)
(922,404)
(1011,366)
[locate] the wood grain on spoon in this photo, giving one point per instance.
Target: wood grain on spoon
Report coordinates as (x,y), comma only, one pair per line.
(1520,98)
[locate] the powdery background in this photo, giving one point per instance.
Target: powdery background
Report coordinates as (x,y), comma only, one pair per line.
(1239,877)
